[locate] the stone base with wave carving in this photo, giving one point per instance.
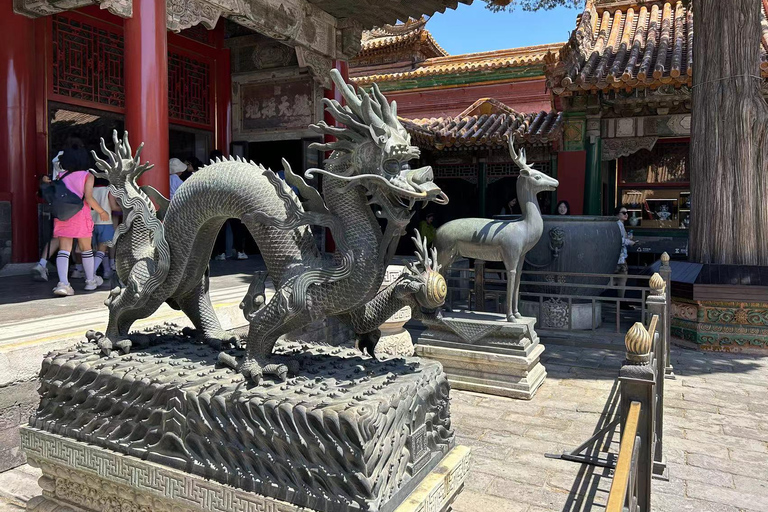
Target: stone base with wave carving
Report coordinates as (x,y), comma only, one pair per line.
(482,352)
(346,434)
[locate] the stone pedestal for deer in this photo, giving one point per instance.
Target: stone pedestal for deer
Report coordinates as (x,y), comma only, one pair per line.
(480,351)
(494,240)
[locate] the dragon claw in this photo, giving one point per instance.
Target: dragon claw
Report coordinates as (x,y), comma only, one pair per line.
(253,371)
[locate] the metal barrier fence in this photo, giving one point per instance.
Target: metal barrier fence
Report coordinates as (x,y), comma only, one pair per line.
(472,288)
(642,382)
(641,411)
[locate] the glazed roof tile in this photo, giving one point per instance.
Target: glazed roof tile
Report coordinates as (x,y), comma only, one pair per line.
(486,122)
(626,44)
(389,37)
(469,62)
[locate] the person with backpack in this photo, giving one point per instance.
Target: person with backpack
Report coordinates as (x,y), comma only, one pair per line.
(71,199)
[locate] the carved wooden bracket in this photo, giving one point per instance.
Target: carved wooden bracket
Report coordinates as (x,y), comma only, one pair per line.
(297,23)
(616,148)
(37,8)
(318,65)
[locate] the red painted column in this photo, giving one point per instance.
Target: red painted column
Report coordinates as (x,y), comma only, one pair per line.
(223,93)
(146,88)
(570,173)
(17,130)
(334,94)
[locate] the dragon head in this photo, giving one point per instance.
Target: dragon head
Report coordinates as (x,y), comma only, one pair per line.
(373,150)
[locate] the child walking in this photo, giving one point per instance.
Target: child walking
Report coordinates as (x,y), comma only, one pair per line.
(103,230)
(74,161)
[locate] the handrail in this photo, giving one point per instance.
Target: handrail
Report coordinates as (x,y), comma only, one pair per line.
(621,477)
(652,328)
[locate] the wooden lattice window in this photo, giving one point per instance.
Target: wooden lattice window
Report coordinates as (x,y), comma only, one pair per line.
(467,172)
(87,61)
(189,89)
(497,171)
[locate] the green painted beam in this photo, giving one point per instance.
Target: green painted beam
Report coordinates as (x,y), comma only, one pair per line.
(593,178)
(457,79)
(481,185)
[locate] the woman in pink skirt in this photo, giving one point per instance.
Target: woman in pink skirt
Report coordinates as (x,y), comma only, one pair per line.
(80,226)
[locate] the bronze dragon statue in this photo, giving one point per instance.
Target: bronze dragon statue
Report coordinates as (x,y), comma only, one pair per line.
(163,252)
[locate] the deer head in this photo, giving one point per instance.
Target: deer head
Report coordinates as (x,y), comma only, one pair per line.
(531,179)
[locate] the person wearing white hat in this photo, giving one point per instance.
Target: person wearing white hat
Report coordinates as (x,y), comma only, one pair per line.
(176,167)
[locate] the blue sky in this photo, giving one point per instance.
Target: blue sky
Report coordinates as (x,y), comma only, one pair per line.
(473,28)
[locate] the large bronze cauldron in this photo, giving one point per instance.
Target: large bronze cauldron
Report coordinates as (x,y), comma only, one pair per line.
(573,243)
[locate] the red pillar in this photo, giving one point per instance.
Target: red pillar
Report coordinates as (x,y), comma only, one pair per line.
(223,92)
(146,88)
(334,94)
(17,133)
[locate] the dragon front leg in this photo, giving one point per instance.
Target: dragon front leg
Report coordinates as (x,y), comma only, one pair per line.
(268,323)
(197,306)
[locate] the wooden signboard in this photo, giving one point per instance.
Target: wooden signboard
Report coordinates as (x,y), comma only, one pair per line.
(285,105)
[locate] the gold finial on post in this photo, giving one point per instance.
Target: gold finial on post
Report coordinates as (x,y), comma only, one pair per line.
(657,284)
(664,259)
(638,344)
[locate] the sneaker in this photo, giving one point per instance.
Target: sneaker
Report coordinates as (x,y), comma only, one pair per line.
(63,290)
(107,274)
(242,256)
(93,284)
(39,273)
(221,257)
(77,274)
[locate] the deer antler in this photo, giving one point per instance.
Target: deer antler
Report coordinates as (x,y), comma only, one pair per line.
(518,158)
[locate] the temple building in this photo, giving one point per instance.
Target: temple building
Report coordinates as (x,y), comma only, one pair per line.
(460,108)
(245,76)
(608,113)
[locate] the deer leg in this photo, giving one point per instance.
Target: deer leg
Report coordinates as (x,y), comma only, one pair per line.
(516,296)
(511,298)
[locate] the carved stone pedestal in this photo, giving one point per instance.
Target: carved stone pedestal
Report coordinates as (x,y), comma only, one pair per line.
(483,352)
(165,428)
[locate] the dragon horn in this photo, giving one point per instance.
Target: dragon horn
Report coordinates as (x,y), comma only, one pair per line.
(386,109)
(349,94)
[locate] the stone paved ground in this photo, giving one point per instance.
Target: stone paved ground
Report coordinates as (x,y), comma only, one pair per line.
(716,438)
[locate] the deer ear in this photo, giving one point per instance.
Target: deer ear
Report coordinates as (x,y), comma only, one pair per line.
(525,172)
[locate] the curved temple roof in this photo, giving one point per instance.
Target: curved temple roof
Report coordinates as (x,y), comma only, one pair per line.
(485,123)
(630,45)
(375,14)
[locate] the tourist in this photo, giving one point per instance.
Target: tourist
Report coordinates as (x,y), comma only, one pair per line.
(103,230)
(427,228)
(512,208)
(626,241)
(563,208)
(79,227)
(175,167)
(193,164)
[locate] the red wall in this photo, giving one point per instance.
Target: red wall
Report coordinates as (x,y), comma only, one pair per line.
(525,97)
(570,173)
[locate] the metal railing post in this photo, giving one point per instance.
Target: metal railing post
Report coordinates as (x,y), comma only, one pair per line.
(665,271)
(479,285)
(638,383)
(657,306)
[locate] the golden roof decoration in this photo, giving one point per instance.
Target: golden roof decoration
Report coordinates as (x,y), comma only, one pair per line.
(389,37)
(468,62)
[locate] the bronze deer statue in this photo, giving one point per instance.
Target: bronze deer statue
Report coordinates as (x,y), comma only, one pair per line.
(496,240)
